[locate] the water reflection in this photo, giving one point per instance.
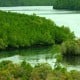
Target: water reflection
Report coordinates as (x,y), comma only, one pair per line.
(72,60)
(31,55)
(37,55)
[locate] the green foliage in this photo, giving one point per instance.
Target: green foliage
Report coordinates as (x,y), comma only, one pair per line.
(20,30)
(24,71)
(26,2)
(62,34)
(67,4)
(73,73)
(71,47)
(10,71)
(41,71)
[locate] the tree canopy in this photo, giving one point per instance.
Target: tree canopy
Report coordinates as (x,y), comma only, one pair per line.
(20,30)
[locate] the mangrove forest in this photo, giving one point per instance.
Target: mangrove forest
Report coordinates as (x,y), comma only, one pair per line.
(20,30)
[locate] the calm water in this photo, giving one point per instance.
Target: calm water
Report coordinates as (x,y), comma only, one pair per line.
(70,19)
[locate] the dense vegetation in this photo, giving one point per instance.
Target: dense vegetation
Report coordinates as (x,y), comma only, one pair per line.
(67,4)
(26,2)
(23,71)
(20,30)
(71,47)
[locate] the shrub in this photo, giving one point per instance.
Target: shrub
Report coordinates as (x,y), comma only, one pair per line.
(24,71)
(71,47)
(41,71)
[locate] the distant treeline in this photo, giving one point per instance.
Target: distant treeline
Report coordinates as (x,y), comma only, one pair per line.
(26,2)
(67,4)
(20,30)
